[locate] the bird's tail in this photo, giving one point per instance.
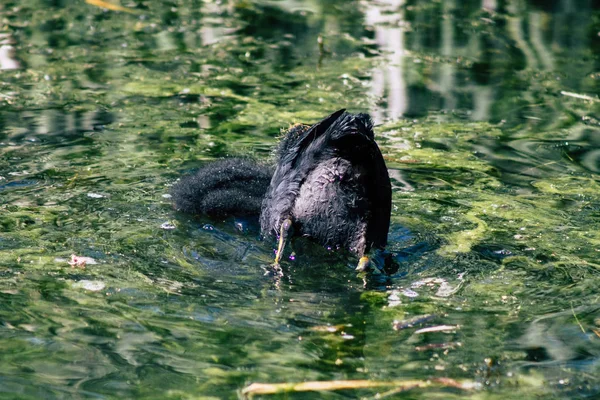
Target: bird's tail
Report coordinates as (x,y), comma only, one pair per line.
(233,186)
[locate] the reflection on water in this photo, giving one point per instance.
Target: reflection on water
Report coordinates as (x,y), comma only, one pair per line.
(29,125)
(487,113)
(388,81)
(490,58)
(495,63)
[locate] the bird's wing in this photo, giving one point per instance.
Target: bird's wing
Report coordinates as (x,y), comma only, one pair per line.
(317,130)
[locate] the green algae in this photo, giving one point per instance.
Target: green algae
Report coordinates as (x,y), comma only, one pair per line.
(94,132)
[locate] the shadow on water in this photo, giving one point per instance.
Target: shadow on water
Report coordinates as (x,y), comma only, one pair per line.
(486,112)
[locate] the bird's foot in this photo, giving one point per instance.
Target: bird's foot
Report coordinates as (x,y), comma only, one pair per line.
(363,263)
(366,264)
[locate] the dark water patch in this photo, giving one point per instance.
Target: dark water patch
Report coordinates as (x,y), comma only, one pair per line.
(17,184)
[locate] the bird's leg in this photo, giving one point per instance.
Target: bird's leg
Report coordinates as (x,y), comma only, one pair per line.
(284,233)
(364,261)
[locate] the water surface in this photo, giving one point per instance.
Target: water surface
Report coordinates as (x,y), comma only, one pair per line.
(488,116)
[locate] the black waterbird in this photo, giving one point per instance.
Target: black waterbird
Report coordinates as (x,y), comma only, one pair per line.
(330,184)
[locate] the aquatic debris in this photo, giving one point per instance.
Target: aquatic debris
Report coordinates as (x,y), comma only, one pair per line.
(394,299)
(95,195)
(110,6)
(410,323)
(93,286)
(329,328)
(579,96)
(428,282)
(577,319)
(444,290)
(7,58)
(409,293)
(319,386)
(80,261)
(167,225)
(447,290)
(169,286)
(439,328)
(503,252)
(438,346)
(334,329)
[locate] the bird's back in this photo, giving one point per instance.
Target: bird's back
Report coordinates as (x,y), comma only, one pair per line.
(332,182)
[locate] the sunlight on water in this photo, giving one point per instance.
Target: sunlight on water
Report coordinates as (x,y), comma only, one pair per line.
(487,113)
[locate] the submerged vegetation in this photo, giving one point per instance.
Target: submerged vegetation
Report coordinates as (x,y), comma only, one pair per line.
(488,116)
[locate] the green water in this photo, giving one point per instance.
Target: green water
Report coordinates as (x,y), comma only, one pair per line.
(488,117)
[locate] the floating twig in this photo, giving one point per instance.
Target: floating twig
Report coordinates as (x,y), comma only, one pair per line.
(438,346)
(577,319)
(410,323)
(439,328)
(110,6)
(318,386)
(579,96)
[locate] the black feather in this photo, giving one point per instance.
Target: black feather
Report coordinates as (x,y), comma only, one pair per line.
(332,182)
(233,186)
